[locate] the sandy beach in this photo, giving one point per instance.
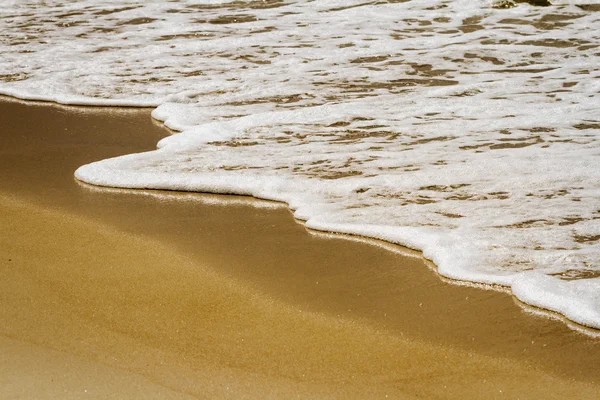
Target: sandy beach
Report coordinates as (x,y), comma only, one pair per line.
(147,294)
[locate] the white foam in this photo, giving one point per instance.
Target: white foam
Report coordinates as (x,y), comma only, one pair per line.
(455,128)
(578,300)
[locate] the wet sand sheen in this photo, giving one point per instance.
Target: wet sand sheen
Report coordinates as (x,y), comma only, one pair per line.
(222,300)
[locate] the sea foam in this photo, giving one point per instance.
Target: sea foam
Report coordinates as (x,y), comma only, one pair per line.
(459,128)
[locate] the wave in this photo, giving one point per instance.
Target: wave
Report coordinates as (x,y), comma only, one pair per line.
(463,129)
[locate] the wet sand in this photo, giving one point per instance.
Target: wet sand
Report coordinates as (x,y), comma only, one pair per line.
(155,294)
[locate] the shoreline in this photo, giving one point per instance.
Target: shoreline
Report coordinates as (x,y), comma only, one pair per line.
(572,298)
(297,289)
(499,287)
(449,160)
(530,308)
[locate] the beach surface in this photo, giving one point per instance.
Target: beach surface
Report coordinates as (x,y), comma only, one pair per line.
(179,295)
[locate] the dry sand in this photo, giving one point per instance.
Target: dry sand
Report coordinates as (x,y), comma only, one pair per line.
(148,294)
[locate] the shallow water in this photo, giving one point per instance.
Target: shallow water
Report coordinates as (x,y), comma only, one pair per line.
(460,128)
